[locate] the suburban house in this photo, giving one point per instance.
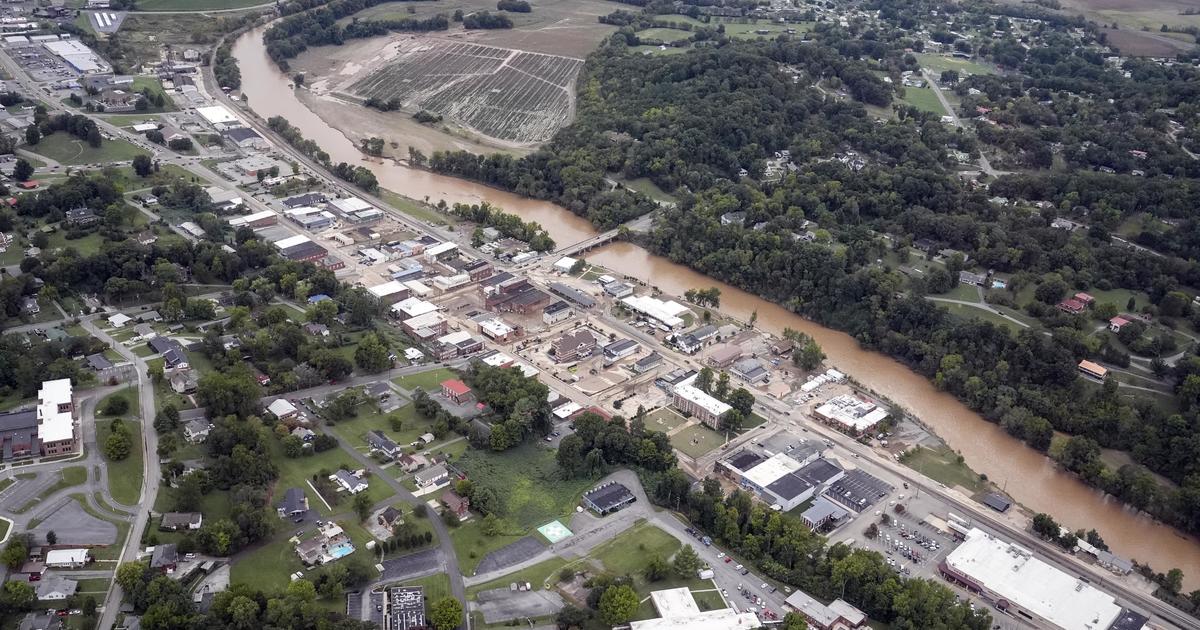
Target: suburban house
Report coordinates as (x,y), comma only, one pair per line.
(838,615)
(1117,323)
(457,391)
(459,505)
(1072,306)
(56,589)
(382,443)
(304,433)
(184,381)
(348,481)
(295,503)
(282,409)
(573,345)
(197,429)
(1094,370)
(389,518)
(330,543)
(969,277)
(119,320)
(431,476)
(164,558)
(176,521)
(412,462)
(316,330)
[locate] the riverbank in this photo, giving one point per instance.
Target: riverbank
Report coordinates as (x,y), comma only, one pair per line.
(1030,477)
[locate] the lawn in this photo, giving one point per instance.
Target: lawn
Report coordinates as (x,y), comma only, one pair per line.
(155,87)
(67,477)
(93,585)
(942,465)
(430,381)
(968,312)
(750,30)
(295,473)
(4,526)
(355,430)
(655,50)
(697,440)
(924,99)
(470,545)
(67,149)
(214,505)
(194,5)
(129,394)
(629,553)
(663,34)
(413,208)
(964,292)
(938,63)
(648,188)
(124,476)
(664,419)
(270,566)
(527,481)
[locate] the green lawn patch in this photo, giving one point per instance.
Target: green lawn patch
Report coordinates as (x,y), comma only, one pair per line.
(527,480)
(413,208)
(295,473)
(194,5)
(355,430)
(67,149)
(629,553)
(129,394)
(648,188)
(5,483)
(664,34)
(938,63)
(214,505)
(697,440)
(435,587)
(93,585)
(430,381)
(664,419)
(964,292)
(968,312)
(67,477)
(924,99)
(943,465)
(470,545)
(754,29)
(4,527)
(155,87)
(124,476)
(664,50)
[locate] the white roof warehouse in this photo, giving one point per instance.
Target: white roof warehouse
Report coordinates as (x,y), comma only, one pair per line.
(1025,586)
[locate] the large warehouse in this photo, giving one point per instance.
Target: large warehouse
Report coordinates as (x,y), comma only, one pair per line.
(1015,581)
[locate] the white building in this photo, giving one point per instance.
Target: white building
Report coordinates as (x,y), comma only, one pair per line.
(389,292)
(350,205)
(565,264)
(1026,587)
(217,116)
(56,417)
(668,312)
(851,414)
(413,307)
(677,610)
(119,320)
(282,409)
(66,558)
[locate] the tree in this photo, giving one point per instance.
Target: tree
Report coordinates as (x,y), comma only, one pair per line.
(22,170)
(687,562)
(130,575)
(793,621)
(51,538)
(491,525)
(618,604)
(142,165)
(362,506)
(115,406)
(1173,581)
(33,135)
(18,595)
(571,618)
(118,444)
(1045,526)
(180,144)
(93,137)
(657,568)
(16,551)
(371,356)
(446,614)
(809,355)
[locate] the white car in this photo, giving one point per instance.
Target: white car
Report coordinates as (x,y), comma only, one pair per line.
(738,568)
(720,555)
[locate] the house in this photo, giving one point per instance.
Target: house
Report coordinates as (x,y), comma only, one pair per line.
(150,316)
(184,381)
(81,216)
(573,345)
(56,589)
(295,503)
(620,349)
(197,430)
(724,356)
(164,558)
(329,544)
(1085,298)
(431,476)
(1072,306)
(380,391)
(1117,323)
(750,370)
(282,409)
(175,358)
(647,363)
(304,434)
(382,443)
(144,332)
(607,498)
(67,558)
(457,391)
(175,521)
(98,362)
(390,517)
(30,306)
(350,482)
(1094,370)
(838,615)
(460,506)
(119,320)
(412,462)
(316,330)
(32,570)
(968,277)
(556,312)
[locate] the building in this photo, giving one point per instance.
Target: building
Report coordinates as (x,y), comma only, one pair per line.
(55,414)
(223,199)
(255,220)
(459,505)
(119,320)
(497,329)
(390,292)
(850,414)
(56,588)
(282,409)
(823,512)
(431,476)
(1094,370)
(556,312)
(67,558)
(838,615)
(997,502)
(184,381)
(77,55)
(968,277)
(1072,306)
(618,289)
(352,483)
(295,503)
(572,294)
(620,349)
(245,138)
(406,607)
(81,216)
(311,219)
(667,313)
(196,431)
(1021,585)
(690,342)
(608,498)
(300,248)
(573,346)
(164,558)
(692,401)
(382,443)
(218,116)
(677,610)
(724,356)
(413,307)
(307,199)
(647,363)
(1117,323)
(565,264)
(328,544)
(176,521)
(750,370)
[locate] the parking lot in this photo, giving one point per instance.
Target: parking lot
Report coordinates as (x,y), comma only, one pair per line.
(858,490)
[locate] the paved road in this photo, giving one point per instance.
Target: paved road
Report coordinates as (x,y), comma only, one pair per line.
(984,164)
(150,467)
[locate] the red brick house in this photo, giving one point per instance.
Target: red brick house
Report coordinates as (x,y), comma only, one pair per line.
(457,391)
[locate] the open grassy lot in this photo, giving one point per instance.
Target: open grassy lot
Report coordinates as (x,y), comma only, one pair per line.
(155,87)
(413,208)
(295,473)
(194,5)
(93,585)
(964,292)
(647,187)
(430,381)
(664,419)
(697,440)
(749,28)
(664,34)
(968,312)
(214,505)
(66,149)
(943,465)
(629,553)
(938,63)
(355,430)
(924,99)
(655,50)
(129,394)
(470,545)
(527,480)
(124,476)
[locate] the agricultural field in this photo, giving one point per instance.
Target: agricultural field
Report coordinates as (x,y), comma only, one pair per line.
(506,94)
(663,34)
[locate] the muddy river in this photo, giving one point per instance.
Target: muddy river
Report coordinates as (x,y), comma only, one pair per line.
(1029,477)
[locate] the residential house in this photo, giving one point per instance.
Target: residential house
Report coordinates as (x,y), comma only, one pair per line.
(304,434)
(412,462)
(56,588)
(184,381)
(196,431)
(459,505)
(1072,306)
(352,483)
(164,558)
(457,391)
(118,320)
(620,349)
(1117,323)
(431,476)
(647,363)
(81,216)
(282,409)
(316,330)
(295,503)
(389,518)
(175,521)
(573,345)
(968,277)
(67,558)
(380,391)
(30,306)
(145,332)
(382,443)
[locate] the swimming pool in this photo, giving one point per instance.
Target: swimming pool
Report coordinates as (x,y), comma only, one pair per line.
(341,550)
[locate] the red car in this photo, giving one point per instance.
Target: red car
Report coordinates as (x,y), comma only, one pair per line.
(728,559)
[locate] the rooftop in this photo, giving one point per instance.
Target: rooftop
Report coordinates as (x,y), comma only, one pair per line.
(771,470)
(686,390)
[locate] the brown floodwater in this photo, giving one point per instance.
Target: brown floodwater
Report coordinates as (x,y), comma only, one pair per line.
(1031,478)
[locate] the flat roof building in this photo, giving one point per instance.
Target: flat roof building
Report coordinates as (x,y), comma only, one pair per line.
(608,498)
(1024,586)
(668,313)
(850,414)
(692,400)
(677,610)
(838,614)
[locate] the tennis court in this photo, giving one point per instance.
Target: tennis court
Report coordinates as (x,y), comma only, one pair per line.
(554,531)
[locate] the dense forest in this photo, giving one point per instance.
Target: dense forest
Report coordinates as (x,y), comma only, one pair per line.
(705,124)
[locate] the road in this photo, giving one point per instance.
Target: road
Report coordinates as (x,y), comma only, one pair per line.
(984,164)
(150,467)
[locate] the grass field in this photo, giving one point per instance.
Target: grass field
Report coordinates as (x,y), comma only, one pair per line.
(430,381)
(750,29)
(528,482)
(194,5)
(942,465)
(648,188)
(412,208)
(924,99)
(67,149)
(129,394)
(295,473)
(663,34)
(938,63)
(655,50)
(355,430)
(697,440)
(470,545)
(629,553)
(155,87)
(968,312)
(664,419)
(124,476)
(964,292)
(537,576)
